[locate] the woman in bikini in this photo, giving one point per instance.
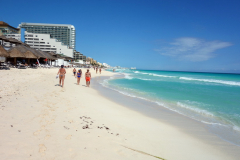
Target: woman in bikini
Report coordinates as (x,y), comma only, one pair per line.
(78,75)
(61,74)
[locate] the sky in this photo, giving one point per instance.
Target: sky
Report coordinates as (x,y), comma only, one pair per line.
(179,35)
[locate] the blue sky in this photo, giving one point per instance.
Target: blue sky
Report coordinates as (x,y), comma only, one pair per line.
(189,35)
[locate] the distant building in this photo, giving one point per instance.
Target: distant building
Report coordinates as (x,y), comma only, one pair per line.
(79,56)
(89,59)
(45,43)
(100,64)
(92,61)
(64,33)
(106,65)
(6,29)
(9,32)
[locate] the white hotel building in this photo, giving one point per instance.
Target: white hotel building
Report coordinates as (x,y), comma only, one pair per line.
(58,38)
(47,44)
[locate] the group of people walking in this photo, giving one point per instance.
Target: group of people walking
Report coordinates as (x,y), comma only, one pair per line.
(100,70)
(77,74)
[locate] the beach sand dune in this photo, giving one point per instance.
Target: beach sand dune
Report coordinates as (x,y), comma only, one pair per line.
(41,120)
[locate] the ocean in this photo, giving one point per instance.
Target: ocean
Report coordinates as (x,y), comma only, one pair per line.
(210,98)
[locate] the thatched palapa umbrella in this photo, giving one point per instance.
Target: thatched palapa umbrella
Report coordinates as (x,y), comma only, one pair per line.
(16,52)
(3,52)
(36,52)
(50,56)
(47,55)
(3,38)
(12,40)
(41,54)
(52,53)
(61,56)
(28,52)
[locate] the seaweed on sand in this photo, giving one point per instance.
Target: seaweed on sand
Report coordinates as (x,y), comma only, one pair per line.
(144,153)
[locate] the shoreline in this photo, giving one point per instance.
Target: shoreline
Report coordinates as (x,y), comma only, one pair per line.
(175,119)
(215,125)
(42,120)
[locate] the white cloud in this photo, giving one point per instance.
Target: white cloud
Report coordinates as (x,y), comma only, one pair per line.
(192,49)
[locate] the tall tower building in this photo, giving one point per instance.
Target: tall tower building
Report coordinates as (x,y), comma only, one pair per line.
(63,33)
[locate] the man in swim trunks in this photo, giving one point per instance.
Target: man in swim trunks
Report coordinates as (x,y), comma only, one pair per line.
(88,77)
(100,70)
(61,73)
(74,71)
(96,70)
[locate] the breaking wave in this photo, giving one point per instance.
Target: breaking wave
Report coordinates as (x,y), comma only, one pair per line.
(212,81)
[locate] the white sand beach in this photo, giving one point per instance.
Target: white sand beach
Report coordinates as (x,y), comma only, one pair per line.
(41,120)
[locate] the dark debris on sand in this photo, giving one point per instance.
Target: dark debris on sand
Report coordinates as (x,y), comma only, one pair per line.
(66,127)
(85,120)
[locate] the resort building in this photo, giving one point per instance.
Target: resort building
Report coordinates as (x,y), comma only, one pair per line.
(47,44)
(94,62)
(100,64)
(106,65)
(90,60)
(79,56)
(9,32)
(61,32)
(6,29)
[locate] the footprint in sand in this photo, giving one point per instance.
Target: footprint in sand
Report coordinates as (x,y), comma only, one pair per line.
(69,137)
(71,121)
(42,127)
(42,149)
(36,133)
(47,137)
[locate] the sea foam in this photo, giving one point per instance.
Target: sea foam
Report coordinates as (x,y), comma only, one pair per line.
(127,76)
(212,81)
(194,109)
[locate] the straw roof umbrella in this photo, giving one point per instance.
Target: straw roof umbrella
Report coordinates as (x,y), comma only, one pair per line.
(52,53)
(50,56)
(43,54)
(3,38)
(3,52)
(64,57)
(47,55)
(16,52)
(36,52)
(12,40)
(28,52)
(68,58)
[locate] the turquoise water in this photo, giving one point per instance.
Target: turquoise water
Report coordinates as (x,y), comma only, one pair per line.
(211,98)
